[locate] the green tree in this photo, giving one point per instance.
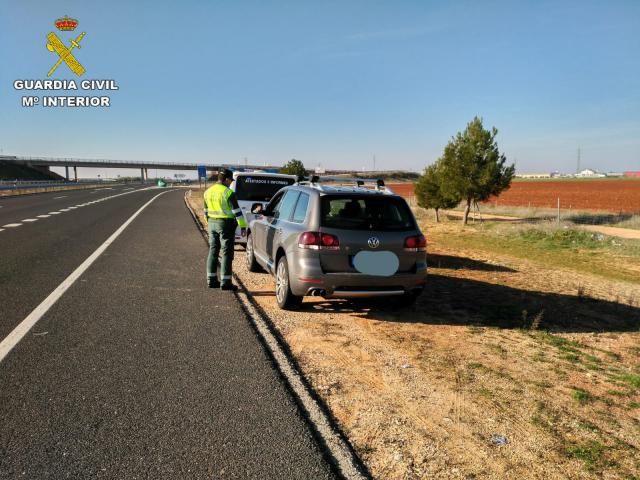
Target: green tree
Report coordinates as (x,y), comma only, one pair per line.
(429,191)
(294,167)
(473,169)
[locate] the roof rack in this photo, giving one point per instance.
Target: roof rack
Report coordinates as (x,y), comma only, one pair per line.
(352,182)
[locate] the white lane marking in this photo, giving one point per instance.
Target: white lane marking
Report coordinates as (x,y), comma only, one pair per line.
(12,225)
(1,229)
(23,327)
(63,196)
(68,209)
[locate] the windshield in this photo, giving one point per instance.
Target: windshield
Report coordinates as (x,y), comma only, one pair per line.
(260,188)
(366,213)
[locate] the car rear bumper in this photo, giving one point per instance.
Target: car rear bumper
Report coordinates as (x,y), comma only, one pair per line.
(356,285)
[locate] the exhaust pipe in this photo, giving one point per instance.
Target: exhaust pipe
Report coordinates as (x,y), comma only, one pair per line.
(317,292)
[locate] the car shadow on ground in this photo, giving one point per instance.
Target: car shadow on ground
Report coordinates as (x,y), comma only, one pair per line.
(458,301)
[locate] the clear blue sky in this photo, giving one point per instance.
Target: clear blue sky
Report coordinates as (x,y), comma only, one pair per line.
(333,82)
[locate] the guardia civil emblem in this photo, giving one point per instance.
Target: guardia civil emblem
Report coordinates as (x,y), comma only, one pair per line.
(57,46)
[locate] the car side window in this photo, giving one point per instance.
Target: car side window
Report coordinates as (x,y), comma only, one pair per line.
(285,207)
(300,213)
(272,206)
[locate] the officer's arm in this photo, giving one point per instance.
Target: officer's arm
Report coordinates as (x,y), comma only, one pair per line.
(206,211)
(237,211)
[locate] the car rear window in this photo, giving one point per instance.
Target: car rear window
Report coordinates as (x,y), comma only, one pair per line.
(381,213)
(260,188)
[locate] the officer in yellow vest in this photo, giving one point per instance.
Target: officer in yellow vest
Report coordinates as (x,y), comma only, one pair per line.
(223,214)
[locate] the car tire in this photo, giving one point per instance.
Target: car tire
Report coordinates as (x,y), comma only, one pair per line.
(286,300)
(250,256)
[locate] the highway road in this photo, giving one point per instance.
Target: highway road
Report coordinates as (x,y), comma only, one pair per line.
(134,369)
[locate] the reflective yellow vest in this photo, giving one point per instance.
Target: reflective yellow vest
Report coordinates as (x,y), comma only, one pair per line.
(219,203)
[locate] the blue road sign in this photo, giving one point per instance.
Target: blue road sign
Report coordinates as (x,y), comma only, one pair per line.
(202,171)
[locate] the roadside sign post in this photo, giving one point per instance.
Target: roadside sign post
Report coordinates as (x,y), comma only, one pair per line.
(202,172)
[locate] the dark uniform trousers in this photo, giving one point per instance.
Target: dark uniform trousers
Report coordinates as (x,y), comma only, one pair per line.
(221,241)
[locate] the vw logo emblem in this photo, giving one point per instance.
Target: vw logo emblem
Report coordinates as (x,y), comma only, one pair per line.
(373,242)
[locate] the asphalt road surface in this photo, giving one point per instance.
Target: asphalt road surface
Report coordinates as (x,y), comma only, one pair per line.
(138,370)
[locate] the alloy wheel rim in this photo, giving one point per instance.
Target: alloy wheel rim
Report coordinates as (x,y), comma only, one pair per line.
(249,251)
(281,282)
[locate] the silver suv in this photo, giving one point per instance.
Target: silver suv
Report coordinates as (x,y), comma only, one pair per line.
(337,241)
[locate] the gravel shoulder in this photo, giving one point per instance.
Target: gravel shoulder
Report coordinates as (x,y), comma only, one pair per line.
(505,368)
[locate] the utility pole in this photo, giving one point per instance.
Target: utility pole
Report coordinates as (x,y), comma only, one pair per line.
(374,163)
(578,160)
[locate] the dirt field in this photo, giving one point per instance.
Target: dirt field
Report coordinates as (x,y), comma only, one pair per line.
(596,195)
(505,368)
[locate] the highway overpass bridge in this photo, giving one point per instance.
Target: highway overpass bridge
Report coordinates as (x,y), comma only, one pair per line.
(143,166)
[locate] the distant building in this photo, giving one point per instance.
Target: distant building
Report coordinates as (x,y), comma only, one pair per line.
(590,173)
(614,174)
(632,174)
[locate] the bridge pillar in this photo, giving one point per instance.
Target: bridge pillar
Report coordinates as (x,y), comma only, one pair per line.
(75,173)
(146,175)
(142,175)
(66,172)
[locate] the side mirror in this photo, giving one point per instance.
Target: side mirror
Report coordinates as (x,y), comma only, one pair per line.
(257,208)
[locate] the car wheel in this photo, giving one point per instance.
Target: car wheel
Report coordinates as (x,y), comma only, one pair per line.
(250,257)
(286,300)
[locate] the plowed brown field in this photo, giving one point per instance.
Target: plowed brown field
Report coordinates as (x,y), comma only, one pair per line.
(600,195)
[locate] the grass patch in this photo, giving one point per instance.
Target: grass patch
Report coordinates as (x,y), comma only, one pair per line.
(617,393)
(581,396)
(631,379)
(588,426)
(634,405)
(571,357)
(549,244)
(540,357)
(613,355)
(559,239)
(593,366)
(559,342)
(591,453)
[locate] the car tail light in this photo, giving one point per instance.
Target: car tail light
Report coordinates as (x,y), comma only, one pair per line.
(309,240)
(330,241)
(416,243)
(317,241)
